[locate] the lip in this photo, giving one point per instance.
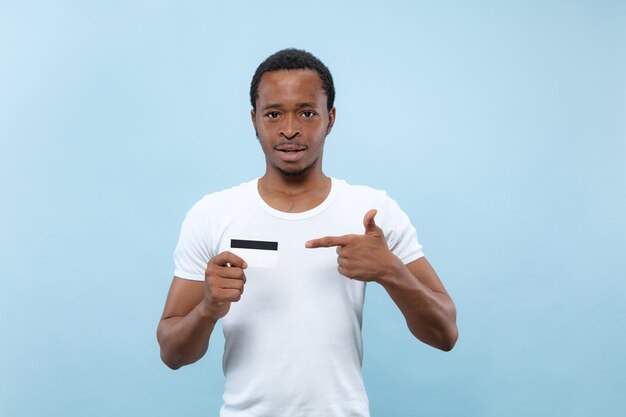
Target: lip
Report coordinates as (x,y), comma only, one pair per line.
(290,154)
(289,147)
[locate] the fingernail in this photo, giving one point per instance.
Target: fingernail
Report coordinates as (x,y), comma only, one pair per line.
(307,244)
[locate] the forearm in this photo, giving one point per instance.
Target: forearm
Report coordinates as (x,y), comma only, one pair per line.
(430,315)
(185,339)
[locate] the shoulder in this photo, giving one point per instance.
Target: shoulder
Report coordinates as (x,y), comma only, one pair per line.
(362,195)
(224,199)
(358,191)
(366,198)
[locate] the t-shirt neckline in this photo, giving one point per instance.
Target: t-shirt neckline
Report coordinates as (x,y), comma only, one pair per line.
(295,216)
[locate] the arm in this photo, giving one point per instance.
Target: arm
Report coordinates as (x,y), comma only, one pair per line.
(421,297)
(193,307)
(415,288)
(185,325)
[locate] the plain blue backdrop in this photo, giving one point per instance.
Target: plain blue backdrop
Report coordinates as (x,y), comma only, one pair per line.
(499,127)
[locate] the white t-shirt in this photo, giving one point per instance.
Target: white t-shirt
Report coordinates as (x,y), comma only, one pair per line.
(293,342)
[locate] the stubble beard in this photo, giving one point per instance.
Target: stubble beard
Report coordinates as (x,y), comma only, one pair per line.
(296,173)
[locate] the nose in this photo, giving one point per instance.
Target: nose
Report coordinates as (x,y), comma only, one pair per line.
(290,129)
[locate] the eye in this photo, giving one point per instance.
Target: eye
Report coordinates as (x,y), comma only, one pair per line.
(308,114)
(272,115)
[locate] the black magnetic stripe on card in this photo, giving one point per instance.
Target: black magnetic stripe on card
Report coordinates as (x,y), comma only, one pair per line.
(253,244)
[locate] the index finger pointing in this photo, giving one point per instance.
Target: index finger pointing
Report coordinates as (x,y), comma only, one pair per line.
(327,242)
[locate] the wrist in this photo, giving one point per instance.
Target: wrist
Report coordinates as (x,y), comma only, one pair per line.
(206,312)
(392,271)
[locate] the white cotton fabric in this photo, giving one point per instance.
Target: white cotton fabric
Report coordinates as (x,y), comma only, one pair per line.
(293,342)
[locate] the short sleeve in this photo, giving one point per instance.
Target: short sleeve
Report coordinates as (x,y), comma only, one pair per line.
(400,234)
(193,250)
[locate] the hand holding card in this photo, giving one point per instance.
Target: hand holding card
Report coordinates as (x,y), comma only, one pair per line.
(224,281)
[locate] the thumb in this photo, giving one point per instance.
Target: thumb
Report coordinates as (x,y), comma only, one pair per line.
(368,221)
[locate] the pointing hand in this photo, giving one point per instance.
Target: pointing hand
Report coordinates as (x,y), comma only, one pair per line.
(363,257)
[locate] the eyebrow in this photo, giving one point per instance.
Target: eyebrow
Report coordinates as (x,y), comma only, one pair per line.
(280,106)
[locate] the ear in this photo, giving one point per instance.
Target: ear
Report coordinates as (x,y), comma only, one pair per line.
(253,117)
(331,119)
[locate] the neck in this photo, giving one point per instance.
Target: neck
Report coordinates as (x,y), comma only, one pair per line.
(275,181)
(294,194)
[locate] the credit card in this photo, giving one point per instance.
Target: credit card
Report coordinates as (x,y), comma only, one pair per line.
(257,253)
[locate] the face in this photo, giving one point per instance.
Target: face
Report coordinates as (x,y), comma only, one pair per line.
(292,120)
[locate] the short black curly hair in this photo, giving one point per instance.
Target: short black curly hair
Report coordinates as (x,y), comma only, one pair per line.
(293,59)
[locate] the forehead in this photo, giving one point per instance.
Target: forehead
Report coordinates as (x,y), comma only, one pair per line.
(302,85)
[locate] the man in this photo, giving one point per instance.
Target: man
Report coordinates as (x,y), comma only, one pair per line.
(302,245)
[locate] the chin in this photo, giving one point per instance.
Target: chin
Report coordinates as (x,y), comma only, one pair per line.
(293,171)
(297,172)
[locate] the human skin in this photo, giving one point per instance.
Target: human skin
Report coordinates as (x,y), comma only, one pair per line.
(292,113)
(415,288)
(292,121)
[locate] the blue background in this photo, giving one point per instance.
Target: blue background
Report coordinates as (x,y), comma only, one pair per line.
(498,126)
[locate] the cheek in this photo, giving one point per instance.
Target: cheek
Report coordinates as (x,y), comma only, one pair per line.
(266,130)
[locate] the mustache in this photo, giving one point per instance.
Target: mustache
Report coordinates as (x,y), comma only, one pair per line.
(290,144)
(285,143)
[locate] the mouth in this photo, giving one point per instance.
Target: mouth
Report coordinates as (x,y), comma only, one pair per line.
(290,153)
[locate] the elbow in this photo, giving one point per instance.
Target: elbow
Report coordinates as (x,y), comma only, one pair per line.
(442,336)
(171,362)
(448,341)
(172,365)
(449,333)
(442,340)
